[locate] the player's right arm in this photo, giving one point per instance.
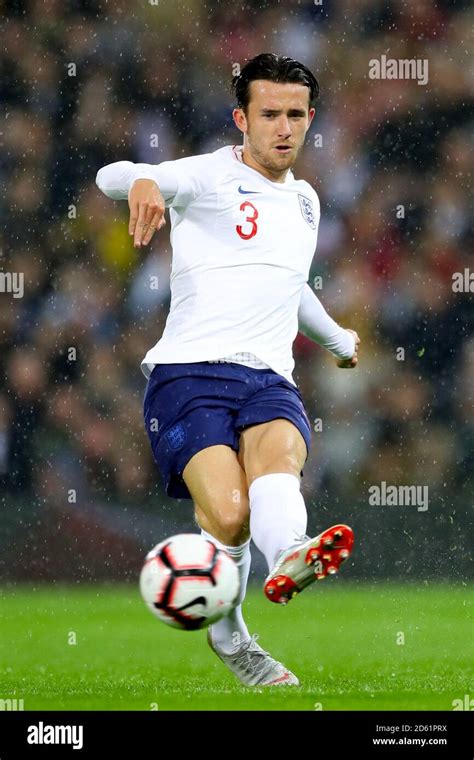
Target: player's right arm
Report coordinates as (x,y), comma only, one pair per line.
(138,183)
(147,211)
(150,188)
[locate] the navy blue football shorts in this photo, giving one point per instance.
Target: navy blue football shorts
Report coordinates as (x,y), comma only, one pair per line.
(188,407)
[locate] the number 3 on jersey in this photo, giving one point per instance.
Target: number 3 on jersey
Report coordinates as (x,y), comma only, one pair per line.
(251,220)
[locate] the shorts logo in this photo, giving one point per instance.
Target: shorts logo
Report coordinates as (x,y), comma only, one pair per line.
(307,210)
(176,436)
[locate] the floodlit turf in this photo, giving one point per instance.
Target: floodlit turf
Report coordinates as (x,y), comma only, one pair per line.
(339,638)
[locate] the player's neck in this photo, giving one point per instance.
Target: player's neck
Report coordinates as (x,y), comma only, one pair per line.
(249,160)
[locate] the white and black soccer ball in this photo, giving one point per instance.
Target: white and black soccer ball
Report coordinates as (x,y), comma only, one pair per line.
(188,582)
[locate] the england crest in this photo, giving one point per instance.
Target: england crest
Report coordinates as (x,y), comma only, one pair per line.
(176,436)
(306,206)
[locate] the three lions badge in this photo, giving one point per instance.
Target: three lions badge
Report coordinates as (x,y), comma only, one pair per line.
(176,436)
(306,206)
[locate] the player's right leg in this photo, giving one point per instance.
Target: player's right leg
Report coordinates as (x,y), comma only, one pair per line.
(218,485)
(189,412)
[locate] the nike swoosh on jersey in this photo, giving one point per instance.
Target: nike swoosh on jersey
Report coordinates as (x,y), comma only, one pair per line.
(245,192)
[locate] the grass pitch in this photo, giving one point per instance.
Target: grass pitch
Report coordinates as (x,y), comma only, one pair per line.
(353,647)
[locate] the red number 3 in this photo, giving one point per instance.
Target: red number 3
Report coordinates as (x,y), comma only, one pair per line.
(252,219)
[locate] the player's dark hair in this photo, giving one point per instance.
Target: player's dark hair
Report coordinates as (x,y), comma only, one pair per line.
(273,68)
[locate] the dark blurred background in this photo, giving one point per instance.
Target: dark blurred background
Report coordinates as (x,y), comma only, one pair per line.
(86,83)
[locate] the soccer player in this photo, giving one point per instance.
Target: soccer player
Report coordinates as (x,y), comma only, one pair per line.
(225,419)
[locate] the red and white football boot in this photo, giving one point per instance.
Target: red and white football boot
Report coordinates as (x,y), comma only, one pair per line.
(311,559)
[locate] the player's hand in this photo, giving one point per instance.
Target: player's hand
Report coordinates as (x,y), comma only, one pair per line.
(350,363)
(147,211)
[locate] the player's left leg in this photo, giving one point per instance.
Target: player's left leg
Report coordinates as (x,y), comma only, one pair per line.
(273,454)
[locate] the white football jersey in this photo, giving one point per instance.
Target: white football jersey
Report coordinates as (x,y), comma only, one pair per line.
(242,251)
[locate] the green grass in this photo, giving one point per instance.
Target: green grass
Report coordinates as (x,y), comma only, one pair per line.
(341,640)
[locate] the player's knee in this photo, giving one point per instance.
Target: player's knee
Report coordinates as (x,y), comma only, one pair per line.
(229,525)
(234,528)
(275,447)
(279,461)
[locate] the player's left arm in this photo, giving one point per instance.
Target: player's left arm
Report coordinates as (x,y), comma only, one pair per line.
(318,326)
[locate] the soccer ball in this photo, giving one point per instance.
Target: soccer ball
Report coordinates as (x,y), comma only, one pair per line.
(188,582)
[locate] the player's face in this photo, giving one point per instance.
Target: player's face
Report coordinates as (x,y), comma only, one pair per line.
(277,119)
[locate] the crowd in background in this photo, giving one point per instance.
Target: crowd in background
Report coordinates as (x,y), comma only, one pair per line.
(86,83)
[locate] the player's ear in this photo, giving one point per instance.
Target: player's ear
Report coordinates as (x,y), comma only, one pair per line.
(311,113)
(240,120)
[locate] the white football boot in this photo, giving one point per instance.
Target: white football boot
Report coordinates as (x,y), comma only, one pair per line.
(253,666)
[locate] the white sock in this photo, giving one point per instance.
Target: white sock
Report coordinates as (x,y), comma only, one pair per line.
(278,515)
(229,633)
